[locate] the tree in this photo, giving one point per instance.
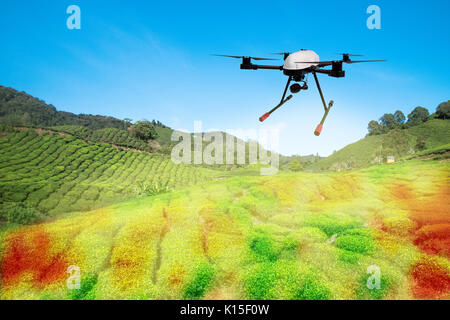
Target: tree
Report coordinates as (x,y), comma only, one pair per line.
(418,115)
(399,118)
(144,130)
(388,121)
(443,110)
(374,128)
(128,121)
(295,165)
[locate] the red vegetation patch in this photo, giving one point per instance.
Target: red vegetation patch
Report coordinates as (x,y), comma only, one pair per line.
(29,251)
(431,235)
(430,281)
(434,239)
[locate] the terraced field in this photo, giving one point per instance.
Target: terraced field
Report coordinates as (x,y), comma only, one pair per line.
(289,236)
(58,173)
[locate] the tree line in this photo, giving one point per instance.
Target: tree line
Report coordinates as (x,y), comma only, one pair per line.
(397,120)
(20,109)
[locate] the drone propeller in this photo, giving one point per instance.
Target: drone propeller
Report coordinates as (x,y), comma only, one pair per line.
(241,57)
(325,63)
(351,54)
(284,54)
(351,61)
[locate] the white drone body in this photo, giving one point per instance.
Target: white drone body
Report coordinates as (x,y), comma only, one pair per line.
(294,60)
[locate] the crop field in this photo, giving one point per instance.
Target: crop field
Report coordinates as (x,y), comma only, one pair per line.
(108,135)
(288,236)
(56,173)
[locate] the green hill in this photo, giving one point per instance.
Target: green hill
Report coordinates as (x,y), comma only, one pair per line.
(398,143)
(54,173)
(18,109)
(21,109)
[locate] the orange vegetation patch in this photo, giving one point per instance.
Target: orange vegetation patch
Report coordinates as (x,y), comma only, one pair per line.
(430,280)
(30,252)
(432,217)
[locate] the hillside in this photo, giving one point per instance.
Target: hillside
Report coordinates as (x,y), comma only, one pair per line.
(18,109)
(289,236)
(397,143)
(56,173)
(21,109)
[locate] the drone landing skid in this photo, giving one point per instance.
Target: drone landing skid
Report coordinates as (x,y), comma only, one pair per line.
(319,128)
(283,101)
(266,115)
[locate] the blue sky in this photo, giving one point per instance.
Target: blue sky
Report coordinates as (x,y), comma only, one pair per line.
(150,59)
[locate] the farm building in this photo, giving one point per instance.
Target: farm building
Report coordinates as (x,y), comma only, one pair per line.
(390,159)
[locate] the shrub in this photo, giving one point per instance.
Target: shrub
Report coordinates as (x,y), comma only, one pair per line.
(261,281)
(19,213)
(330,225)
(313,289)
(203,278)
(262,248)
(86,291)
(355,243)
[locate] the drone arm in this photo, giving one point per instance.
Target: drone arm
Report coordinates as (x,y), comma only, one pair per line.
(269,67)
(324,71)
(319,128)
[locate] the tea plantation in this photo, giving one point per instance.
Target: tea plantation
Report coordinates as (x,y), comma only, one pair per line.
(43,175)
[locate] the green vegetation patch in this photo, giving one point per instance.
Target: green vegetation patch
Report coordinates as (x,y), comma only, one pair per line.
(313,289)
(285,280)
(202,280)
(260,281)
(331,225)
(263,248)
(86,291)
(19,213)
(365,293)
(355,243)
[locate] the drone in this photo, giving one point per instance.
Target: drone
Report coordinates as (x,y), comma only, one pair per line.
(296,66)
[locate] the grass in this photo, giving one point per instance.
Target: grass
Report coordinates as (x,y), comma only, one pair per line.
(289,236)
